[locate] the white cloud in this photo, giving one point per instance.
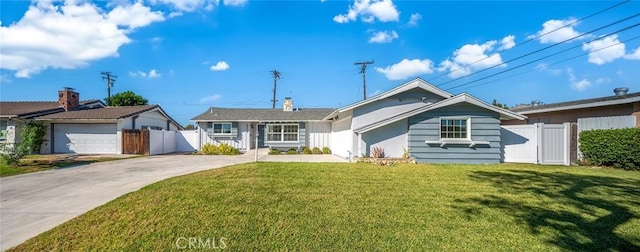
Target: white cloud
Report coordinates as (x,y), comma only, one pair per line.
(559,35)
(151,75)
(603,80)
(545,68)
(600,57)
(471,57)
(220,66)
(369,10)
(507,43)
(211,98)
(383,37)
(415,18)
(234,2)
(635,55)
(134,16)
(154,74)
(407,68)
(188,5)
(68,35)
(4,79)
(175,14)
(576,84)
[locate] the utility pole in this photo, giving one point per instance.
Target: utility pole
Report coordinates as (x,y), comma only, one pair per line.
(363,68)
(110,80)
(276,75)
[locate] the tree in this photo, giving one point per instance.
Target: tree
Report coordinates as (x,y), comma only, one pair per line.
(127,98)
(190,127)
(499,105)
(32,137)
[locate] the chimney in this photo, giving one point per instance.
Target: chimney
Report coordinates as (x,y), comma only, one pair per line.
(68,99)
(287,104)
(536,103)
(621,91)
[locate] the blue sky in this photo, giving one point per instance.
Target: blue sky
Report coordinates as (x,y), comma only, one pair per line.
(191,54)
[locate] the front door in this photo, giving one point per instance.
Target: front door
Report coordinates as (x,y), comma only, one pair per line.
(261,135)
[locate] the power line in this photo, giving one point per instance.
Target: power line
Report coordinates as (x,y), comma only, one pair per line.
(557,62)
(363,68)
(539,50)
(548,56)
(534,38)
(110,80)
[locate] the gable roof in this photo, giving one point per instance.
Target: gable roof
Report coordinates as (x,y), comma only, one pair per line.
(262,115)
(27,109)
(412,84)
(464,97)
(579,104)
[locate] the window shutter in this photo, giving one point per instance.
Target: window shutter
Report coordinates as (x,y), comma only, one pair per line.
(234,129)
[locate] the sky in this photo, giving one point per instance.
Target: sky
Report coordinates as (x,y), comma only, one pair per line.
(188,55)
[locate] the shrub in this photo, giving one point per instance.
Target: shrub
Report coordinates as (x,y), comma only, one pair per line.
(11,155)
(326,150)
(377,152)
(32,137)
(618,148)
(274,152)
(316,150)
(221,149)
(292,151)
(306,150)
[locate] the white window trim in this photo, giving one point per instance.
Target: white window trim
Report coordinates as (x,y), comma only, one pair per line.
(221,134)
(468,118)
(266,132)
(448,141)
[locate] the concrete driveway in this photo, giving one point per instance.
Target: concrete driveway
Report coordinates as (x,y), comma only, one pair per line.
(36,202)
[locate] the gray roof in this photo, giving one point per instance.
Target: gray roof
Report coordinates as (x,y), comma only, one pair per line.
(586,103)
(107,113)
(262,115)
(28,109)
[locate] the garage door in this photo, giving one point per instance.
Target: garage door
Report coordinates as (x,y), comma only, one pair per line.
(84,138)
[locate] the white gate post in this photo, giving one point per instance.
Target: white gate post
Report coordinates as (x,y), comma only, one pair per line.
(539,142)
(567,143)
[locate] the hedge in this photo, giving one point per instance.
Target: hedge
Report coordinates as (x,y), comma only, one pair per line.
(618,148)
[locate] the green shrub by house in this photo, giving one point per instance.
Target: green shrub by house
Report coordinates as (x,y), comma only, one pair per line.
(326,150)
(274,152)
(316,150)
(618,148)
(306,150)
(221,149)
(292,152)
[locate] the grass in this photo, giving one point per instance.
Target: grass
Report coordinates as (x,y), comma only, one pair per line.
(35,163)
(362,207)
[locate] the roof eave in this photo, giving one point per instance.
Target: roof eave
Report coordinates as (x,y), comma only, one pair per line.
(583,105)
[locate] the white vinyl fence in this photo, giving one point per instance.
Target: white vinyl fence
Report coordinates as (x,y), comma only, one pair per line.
(536,143)
(163,142)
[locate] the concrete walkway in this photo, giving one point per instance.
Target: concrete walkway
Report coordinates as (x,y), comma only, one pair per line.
(36,202)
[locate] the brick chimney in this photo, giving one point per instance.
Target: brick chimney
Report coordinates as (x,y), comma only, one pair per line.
(68,99)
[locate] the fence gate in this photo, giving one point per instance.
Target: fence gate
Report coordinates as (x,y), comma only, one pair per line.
(537,143)
(555,144)
(135,141)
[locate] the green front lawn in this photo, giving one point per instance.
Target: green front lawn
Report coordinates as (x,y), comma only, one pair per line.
(361,207)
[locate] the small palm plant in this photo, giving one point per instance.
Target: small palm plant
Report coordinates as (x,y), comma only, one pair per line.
(377,152)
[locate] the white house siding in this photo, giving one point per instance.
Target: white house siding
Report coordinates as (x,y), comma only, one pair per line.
(342,137)
(485,126)
(318,134)
(392,138)
(394,105)
(152,118)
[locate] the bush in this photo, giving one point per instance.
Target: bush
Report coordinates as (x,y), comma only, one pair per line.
(11,155)
(316,150)
(306,150)
(221,149)
(274,152)
(326,150)
(618,148)
(292,151)
(32,137)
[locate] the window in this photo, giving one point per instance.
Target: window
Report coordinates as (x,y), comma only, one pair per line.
(3,130)
(151,127)
(454,128)
(220,128)
(282,133)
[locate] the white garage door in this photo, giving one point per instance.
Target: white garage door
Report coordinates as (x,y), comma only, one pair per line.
(84,138)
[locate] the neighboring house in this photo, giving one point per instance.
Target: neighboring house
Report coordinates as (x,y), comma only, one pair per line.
(620,104)
(431,124)
(88,127)
(283,129)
